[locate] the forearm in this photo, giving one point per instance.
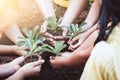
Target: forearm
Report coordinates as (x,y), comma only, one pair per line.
(47,8)
(16,76)
(89,42)
(13,32)
(93,15)
(77,59)
(81,54)
(74,10)
(7,49)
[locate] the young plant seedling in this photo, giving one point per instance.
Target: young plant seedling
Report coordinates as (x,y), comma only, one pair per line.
(30,41)
(56,48)
(74,30)
(53,24)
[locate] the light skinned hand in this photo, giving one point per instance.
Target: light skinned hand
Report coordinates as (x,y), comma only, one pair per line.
(60,61)
(79,39)
(11,67)
(44,30)
(44,27)
(65,30)
(31,69)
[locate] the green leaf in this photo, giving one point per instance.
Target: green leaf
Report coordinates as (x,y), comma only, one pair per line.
(28,43)
(20,43)
(60,20)
(59,45)
(52,22)
(36,31)
(25,32)
(38,50)
(83,24)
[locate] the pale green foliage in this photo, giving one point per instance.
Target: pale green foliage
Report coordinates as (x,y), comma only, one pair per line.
(56,48)
(30,41)
(74,29)
(53,23)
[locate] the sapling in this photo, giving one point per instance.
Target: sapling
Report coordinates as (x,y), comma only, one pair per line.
(53,23)
(31,41)
(56,48)
(74,30)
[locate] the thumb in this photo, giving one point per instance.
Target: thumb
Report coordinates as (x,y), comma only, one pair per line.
(64,32)
(74,39)
(18,60)
(38,63)
(76,45)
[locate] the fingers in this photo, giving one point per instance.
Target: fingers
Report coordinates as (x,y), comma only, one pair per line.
(58,37)
(57,62)
(18,60)
(46,34)
(76,45)
(38,68)
(74,39)
(44,27)
(52,41)
(38,63)
(65,31)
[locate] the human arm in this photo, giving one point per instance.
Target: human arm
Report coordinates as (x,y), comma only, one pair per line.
(13,32)
(91,20)
(28,70)
(82,37)
(70,16)
(93,15)
(78,57)
(10,50)
(47,9)
(10,68)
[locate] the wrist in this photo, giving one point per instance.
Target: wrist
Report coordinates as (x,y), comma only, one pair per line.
(86,26)
(14,47)
(20,74)
(17,76)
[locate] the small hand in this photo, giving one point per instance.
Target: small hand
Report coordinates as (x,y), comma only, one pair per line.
(18,52)
(44,27)
(64,28)
(65,31)
(60,61)
(31,69)
(44,30)
(79,39)
(10,68)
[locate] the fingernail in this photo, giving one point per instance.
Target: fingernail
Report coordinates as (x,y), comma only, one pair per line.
(42,61)
(51,57)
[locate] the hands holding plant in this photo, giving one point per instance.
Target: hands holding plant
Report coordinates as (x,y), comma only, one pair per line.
(28,70)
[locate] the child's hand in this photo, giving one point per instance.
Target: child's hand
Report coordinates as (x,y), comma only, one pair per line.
(31,69)
(11,67)
(28,70)
(44,27)
(60,61)
(65,31)
(18,52)
(79,39)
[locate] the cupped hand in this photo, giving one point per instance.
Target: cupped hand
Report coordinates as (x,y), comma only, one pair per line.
(78,40)
(31,69)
